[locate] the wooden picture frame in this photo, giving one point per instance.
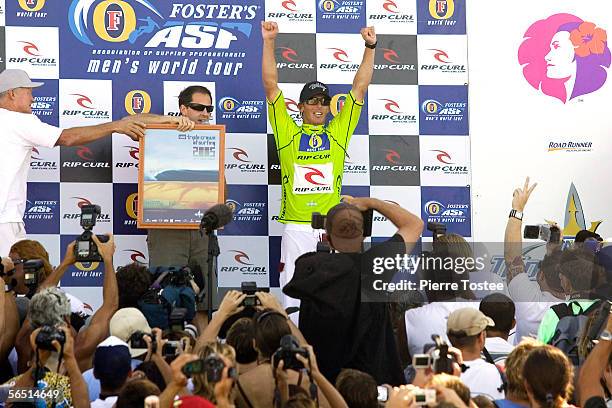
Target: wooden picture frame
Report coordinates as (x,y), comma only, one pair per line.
(180,175)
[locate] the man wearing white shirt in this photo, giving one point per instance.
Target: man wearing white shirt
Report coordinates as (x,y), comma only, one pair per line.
(466,330)
(500,308)
(22,131)
(532,298)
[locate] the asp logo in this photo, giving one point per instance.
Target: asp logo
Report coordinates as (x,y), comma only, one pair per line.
(437,209)
(31,5)
(116,21)
(232,108)
(251,211)
(432,107)
(137,101)
(340,6)
(441,9)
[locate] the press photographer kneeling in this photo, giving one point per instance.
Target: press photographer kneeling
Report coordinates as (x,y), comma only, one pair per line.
(346,331)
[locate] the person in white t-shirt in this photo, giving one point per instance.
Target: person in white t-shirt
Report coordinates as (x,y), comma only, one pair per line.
(500,308)
(532,298)
(466,330)
(22,131)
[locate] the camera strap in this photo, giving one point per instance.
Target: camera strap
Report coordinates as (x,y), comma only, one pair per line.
(502,375)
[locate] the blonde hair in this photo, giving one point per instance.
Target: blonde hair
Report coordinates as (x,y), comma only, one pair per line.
(514,367)
(453,383)
(201,386)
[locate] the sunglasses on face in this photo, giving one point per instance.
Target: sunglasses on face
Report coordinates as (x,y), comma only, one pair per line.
(318,99)
(200,107)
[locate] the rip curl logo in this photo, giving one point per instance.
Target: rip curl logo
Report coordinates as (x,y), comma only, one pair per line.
(565,57)
(30,48)
(136,256)
(241,257)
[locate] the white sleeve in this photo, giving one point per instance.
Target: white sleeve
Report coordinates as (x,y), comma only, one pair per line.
(35,132)
(522,289)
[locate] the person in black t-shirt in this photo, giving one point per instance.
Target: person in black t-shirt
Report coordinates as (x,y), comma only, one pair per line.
(345,330)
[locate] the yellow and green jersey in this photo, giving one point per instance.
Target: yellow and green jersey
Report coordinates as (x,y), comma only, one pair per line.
(311,159)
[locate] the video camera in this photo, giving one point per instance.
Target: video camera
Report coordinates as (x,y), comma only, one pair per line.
(543,232)
(137,341)
(438,358)
(289,347)
(46,335)
(212,366)
(318,221)
(85,250)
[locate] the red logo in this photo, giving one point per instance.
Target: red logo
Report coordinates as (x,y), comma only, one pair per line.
(82,201)
(291,105)
(137,256)
(30,49)
(133,151)
(240,154)
(83,101)
(443,155)
(440,56)
(392,156)
(390,6)
(35,154)
(390,55)
(340,54)
(114,19)
(289,54)
(391,105)
(314,172)
(289,5)
(241,257)
(85,153)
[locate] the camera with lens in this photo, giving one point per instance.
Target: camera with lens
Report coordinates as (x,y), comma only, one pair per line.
(437,229)
(31,270)
(318,221)
(543,232)
(441,360)
(249,289)
(212,366)
(85,249)
(46,336)
(137,341)
(424,396)
(176,275)
(289,347)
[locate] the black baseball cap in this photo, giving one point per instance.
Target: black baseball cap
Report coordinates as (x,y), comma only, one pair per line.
(312,89)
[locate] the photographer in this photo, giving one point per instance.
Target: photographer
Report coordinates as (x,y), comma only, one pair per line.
(592,393)
(9,324)
(532,298)
(346,332)
(89,337)
(71,390)
(21,252)
(327,389)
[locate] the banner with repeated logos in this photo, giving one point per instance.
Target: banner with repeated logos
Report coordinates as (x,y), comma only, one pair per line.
(104,59)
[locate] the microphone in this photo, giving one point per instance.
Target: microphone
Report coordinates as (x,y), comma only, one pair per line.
(215,217)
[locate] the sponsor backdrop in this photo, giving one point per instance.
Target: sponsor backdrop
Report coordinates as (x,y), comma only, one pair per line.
(104,59)
(548,116)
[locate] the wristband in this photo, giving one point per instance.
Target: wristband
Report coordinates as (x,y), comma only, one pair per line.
(516,214)
(372,46)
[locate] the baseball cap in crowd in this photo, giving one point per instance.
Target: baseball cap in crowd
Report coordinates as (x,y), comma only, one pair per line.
(344,224)
(193,401)
(469,320)
(126,322)
(16,78)
(112,359)
(312,89)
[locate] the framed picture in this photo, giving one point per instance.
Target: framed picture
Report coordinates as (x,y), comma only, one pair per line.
(180,175)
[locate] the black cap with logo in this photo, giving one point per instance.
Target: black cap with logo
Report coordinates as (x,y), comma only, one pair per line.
(312,89)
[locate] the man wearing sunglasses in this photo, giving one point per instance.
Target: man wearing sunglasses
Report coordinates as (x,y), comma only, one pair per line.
(168,247)
(311,155)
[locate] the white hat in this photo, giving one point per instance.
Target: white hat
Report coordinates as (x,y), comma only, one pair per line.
(16,78)
(126,322)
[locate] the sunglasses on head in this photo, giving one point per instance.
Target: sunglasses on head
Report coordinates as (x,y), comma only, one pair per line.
(315,100)
(200,107)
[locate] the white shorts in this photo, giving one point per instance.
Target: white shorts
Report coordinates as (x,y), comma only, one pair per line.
(10,232)
(297,240)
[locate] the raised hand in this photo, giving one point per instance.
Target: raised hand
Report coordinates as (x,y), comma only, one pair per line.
(269,30)
(369,35)
(521,195)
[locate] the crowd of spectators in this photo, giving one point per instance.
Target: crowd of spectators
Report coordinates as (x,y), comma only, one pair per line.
(545,340)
